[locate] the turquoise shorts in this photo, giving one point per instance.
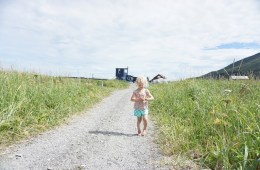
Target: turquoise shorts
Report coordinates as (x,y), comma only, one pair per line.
(139,113)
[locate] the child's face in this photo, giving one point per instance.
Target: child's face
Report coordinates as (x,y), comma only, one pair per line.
(141,85)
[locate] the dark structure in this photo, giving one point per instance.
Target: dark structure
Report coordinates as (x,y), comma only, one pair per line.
(122,74)
(158,76)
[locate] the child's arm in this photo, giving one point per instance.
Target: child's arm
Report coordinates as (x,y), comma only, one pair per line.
(149,96)
(135,99)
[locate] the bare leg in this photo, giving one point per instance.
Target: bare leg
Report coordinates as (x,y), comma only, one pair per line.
(145,119)
(139,120)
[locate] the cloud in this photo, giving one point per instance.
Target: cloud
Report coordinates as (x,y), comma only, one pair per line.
(94,37)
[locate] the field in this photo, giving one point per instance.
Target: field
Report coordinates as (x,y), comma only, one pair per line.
(213,122)
(31,104)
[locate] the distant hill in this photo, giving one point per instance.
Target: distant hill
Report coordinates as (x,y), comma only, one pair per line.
(249,66)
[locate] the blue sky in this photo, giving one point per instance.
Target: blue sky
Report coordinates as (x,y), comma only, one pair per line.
(176,38)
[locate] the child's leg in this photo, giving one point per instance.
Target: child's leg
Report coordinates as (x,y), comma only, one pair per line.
(139,120)
(145,119)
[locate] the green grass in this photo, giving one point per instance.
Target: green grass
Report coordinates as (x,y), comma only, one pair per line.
(30,104)
(204,121)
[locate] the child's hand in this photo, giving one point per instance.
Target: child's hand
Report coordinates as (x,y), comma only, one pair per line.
(142,98)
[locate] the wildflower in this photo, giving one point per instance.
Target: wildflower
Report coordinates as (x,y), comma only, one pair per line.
(224,115)
(213,112)
(217,121)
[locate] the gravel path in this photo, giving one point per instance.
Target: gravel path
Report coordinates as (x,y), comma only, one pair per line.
(102,138)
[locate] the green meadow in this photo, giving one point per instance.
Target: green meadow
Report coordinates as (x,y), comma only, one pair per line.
(31,104)
(213,122)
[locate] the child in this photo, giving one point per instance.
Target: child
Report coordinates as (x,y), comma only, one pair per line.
(141,96)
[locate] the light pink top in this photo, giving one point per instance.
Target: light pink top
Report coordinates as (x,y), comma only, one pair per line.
(141,105)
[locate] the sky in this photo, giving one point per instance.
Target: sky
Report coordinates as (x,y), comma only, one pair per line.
(91,38)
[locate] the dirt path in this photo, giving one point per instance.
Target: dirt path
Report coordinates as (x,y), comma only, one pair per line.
(102,138)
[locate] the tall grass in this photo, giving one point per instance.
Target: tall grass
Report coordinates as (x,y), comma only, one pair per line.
(214,122)
(30,104)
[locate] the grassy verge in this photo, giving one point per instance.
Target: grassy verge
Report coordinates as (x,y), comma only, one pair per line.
(215,123)
(30,104)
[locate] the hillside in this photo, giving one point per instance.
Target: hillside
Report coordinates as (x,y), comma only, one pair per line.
(249,66)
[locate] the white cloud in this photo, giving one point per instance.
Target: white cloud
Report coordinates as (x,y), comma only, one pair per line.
(149,36)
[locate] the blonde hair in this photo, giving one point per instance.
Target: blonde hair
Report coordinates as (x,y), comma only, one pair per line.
(142,80)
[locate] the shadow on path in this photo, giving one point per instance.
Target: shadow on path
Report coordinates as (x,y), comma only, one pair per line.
(111,133)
